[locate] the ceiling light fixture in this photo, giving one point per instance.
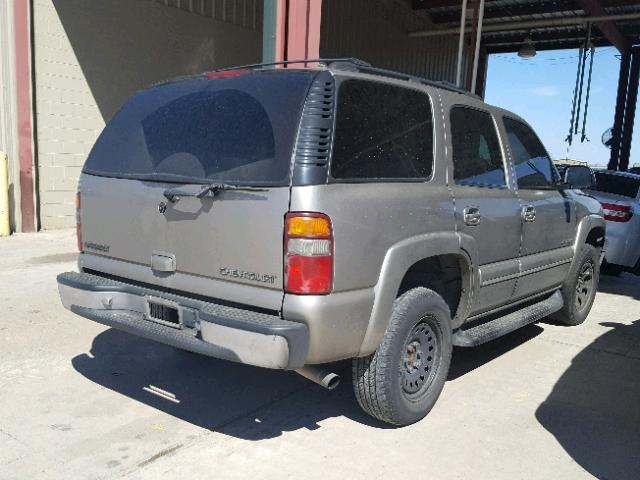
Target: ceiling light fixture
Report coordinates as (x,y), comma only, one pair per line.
(527,50)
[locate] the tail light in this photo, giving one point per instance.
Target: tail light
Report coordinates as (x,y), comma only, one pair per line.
(78,225)
(308,253)
(617,213)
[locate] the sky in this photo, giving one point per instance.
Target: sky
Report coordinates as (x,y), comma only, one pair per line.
(540,90)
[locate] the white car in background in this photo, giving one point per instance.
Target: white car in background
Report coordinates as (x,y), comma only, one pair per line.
(619,195)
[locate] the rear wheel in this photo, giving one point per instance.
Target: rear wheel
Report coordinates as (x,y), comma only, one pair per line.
(401,381)
(579,289)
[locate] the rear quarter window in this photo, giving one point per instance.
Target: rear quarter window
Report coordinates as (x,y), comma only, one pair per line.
(477,158)
(382,132)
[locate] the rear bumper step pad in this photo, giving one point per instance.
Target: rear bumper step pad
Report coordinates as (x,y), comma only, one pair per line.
(219,331)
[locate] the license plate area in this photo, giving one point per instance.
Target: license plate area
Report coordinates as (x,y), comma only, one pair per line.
(164,312)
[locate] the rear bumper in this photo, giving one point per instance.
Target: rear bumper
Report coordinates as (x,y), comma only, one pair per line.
(623,248)
(207,328)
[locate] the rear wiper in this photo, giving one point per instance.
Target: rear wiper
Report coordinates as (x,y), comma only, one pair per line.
(208,190)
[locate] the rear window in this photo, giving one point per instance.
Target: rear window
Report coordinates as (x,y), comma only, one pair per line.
(237,130)
(382,132)
(617,184)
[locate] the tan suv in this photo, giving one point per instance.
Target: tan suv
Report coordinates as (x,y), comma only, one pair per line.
(291,217)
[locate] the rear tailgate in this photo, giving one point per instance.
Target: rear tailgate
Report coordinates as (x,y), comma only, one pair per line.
(238,131)
(234,236)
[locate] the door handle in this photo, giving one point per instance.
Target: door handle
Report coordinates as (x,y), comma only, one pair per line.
(528,213)
(472,216)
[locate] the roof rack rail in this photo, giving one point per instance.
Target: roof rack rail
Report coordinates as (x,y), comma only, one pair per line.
(413,78)
(358,65)
(324,61)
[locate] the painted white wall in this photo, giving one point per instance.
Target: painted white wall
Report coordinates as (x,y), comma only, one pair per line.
(91,56)
(8,108)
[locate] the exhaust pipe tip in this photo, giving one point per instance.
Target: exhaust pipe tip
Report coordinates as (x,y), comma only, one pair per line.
(331,381)
(322,377)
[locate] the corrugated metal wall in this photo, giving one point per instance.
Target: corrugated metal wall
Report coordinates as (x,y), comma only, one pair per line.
(242,13)
(375,31)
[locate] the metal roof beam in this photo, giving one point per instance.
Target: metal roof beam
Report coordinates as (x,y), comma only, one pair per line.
(607,27)
(516,10)
(516,38)
(431,4)
(546,46)
(531,24)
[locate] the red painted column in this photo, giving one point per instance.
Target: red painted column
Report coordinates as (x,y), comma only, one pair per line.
(303,29)
(24,103)
(281,30)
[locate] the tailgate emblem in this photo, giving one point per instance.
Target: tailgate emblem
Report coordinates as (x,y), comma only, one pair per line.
(162,207)
(251,276)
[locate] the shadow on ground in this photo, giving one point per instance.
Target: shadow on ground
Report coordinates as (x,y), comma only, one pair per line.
(626,284)
(593,410)
(466,360)
(238,400)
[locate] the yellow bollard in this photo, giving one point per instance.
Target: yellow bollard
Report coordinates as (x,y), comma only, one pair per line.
(4,195)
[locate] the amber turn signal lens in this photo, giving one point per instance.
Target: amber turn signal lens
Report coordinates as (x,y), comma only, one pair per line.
(308,227)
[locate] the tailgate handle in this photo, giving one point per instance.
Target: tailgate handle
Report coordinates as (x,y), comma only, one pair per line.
(163,262)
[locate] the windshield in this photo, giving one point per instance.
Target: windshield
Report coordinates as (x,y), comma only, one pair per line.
(617,184)
(235,130)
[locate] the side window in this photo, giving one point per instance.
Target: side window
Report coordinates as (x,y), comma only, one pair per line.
(477,159)
(533,166)
(382,132)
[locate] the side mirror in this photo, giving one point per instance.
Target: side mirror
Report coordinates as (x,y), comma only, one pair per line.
(578,176)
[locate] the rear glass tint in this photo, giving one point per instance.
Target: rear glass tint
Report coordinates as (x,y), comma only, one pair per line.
(236,130)
(382,132)
(617,184)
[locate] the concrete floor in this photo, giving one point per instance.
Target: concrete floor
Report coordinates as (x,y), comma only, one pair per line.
(78,400)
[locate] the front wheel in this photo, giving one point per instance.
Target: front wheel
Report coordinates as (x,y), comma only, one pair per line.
(401,381)
(579,289)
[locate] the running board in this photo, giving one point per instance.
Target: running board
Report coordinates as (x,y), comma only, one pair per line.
(486,332)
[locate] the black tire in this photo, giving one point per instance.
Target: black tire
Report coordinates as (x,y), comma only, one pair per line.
(579,289)
(401,381)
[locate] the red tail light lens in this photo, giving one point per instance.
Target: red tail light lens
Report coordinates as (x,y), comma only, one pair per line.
(78,225)
(617,213)
(308,253)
